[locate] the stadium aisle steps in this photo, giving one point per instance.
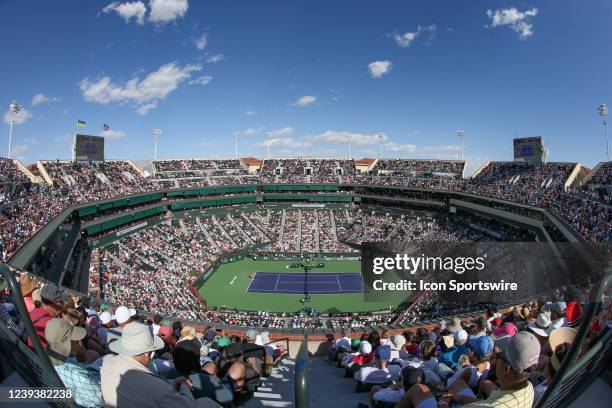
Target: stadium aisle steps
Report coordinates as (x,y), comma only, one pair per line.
(276,391)
(328,386)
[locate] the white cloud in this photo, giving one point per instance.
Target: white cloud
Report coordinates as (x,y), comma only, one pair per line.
(379,68)
(203,80)
(112,134)
(304,101)
(213,59)
(519,21)
(201,41)
(253,131)
(164,11)
(142,110)
(145,93)
(32,140)
(288,142)
(404,40)
(20,117)
(398,147)
(250,112)
(39,99)
(128,10)
(358,139)
(282,132)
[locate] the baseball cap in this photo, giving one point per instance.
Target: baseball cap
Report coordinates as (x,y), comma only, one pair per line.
(508,329)
(521,351)
(481,345)
(383,353)
(251,334)
(223,341)
(460,336)
(132,311)
(355,343)
(50,293)
(558,307)
(59,335)
(105,317)
(397,341)
(365,348)
(122,314)
(557,337)
(542,325)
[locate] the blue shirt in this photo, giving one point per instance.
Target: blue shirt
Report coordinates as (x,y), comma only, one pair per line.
(451,356)
(83,381)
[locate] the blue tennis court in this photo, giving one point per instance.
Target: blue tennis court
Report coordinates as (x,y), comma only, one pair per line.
(318,283)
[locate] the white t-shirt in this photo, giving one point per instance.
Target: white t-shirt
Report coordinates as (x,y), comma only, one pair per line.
(373,375)
(389,395)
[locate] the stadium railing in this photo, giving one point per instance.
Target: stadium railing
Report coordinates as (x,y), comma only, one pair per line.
(578,370)
(302,376)
(33,367)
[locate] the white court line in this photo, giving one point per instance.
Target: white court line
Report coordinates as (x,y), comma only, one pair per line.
(277,278)
(339,285)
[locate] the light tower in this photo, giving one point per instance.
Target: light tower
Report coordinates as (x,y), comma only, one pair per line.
(15,109)
(381,137)
(156,134)
(236,136)
(348,140)
(603,112)
(268,143)
(461,134)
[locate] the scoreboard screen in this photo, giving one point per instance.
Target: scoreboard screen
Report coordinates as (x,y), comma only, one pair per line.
(528,149)
(89,148)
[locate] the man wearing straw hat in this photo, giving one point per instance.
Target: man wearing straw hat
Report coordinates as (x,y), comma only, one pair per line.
(127,381)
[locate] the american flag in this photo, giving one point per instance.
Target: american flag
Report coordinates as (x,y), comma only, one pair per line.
(106,127)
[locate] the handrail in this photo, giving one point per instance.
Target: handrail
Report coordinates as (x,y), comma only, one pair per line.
(302,376)
(570,363)
(17,298)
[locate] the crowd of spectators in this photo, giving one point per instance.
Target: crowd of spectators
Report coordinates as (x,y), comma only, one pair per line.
(10,172)
(115,356)
(502,358)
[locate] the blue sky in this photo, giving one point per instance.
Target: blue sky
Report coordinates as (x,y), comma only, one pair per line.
(307,73)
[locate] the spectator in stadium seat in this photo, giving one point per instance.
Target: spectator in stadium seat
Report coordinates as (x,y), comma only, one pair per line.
(8,315)
(106,323)
(127,381)
(155,326)
(411,346)
(382,372)
(27,284)
(64,343)
(451,356)
(123,317)
(557,313)
(53,301)
(518,354)
(342,345)
(396,343)
(186,357)
(561,340)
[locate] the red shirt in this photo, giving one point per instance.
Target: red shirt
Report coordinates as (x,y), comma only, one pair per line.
(39,320)
(361,359)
